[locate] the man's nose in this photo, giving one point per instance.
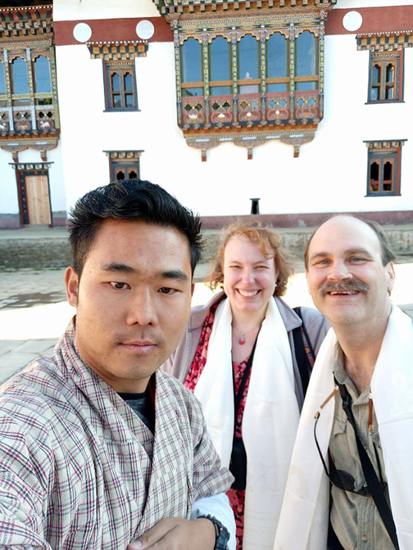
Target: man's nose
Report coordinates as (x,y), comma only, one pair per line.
(339,271)
(142,309)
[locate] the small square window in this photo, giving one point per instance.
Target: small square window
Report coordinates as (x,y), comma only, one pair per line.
(383,169)
(120,86)
(123,165)
(386,77)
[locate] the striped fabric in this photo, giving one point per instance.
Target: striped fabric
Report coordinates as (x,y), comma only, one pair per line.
(80,470)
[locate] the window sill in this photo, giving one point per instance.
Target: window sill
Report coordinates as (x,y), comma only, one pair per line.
(122,110)
(382,195)
(384,101)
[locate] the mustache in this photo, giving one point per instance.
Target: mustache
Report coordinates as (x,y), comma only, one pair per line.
(343,287)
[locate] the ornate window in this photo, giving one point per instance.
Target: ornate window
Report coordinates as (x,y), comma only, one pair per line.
(386,64)
(120,86)
(123,164)
(384,167)
(28,95)
(249,72)
(386,83)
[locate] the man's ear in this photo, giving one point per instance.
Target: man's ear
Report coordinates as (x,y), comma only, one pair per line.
(72,286)
(391,275)
(192,289)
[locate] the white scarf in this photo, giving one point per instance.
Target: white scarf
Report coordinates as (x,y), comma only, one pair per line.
(303,521)
(270,418)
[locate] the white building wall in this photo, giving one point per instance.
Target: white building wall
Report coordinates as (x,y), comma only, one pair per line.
(329,175)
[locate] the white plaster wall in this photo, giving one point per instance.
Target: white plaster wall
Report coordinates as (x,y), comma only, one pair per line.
(73,10)
(329,175)
(9,203)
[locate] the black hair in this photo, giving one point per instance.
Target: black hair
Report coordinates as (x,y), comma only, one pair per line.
(133,200)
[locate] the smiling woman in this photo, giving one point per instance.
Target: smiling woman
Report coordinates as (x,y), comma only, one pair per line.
(243,343)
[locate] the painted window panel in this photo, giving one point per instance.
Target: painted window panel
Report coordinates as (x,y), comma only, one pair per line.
(42,75)
(20,81)
(2,79)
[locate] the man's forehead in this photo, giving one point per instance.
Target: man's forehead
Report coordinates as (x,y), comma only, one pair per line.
(344,234)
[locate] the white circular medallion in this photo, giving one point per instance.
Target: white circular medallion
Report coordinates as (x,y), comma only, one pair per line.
(145,29)
(82,32)
(352,21)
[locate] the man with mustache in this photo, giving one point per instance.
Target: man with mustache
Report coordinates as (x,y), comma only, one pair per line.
(98,449)
(351,474)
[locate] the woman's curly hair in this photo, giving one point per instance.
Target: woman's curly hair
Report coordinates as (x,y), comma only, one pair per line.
(269,244)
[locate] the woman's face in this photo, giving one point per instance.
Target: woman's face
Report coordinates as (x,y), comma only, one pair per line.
(249,277)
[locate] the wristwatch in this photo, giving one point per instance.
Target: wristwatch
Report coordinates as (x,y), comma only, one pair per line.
(221,532)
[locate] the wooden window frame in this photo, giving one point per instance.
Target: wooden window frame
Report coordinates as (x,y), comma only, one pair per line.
(125,160)
(381,156)
(383,60)
(121,68)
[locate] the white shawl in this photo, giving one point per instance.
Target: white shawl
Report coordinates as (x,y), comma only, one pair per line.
(303,521)
(270,418)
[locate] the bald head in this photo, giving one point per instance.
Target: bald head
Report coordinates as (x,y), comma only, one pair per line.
(350,221)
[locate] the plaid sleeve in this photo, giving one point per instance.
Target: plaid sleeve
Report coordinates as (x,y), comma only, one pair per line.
(25,466)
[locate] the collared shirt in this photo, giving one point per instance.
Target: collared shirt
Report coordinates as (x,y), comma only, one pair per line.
(75,464)
(355,519)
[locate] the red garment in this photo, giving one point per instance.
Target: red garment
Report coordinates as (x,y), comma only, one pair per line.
(236,498)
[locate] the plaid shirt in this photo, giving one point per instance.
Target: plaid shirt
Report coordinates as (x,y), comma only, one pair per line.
(80,470)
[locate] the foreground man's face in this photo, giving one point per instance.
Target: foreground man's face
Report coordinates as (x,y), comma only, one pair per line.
(345,274)
(133,301)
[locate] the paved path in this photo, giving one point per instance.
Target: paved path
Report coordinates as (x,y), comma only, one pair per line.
(34,311)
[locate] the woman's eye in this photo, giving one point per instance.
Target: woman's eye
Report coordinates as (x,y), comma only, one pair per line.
(119,286)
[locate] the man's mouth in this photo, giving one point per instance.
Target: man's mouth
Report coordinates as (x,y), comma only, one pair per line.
(343,289)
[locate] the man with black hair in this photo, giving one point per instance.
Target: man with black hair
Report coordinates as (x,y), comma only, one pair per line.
(98,449)
(352,460)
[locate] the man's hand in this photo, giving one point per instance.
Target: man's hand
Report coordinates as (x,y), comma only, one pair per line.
(177,534)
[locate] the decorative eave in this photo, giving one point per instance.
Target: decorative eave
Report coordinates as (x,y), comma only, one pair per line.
(26,22)
(385,41)
(177,7)
(385,144)
(39,143)
(124,155)
(118,51)
(250,138)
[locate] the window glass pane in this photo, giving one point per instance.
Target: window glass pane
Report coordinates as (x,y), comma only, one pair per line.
(277,56)
(116,101)
(132,174)
(389,73)
(42,75)
(305,54)
(115,82)
(129,100)
(2,79)
(19,76)
(273,88)
(388,171)
(374,171)
(220,90)
(390,92)
(127,82)
(192,92)
(375,76)
(301,86)
(191,61)
(248,57)
(219,58)
(120,175)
